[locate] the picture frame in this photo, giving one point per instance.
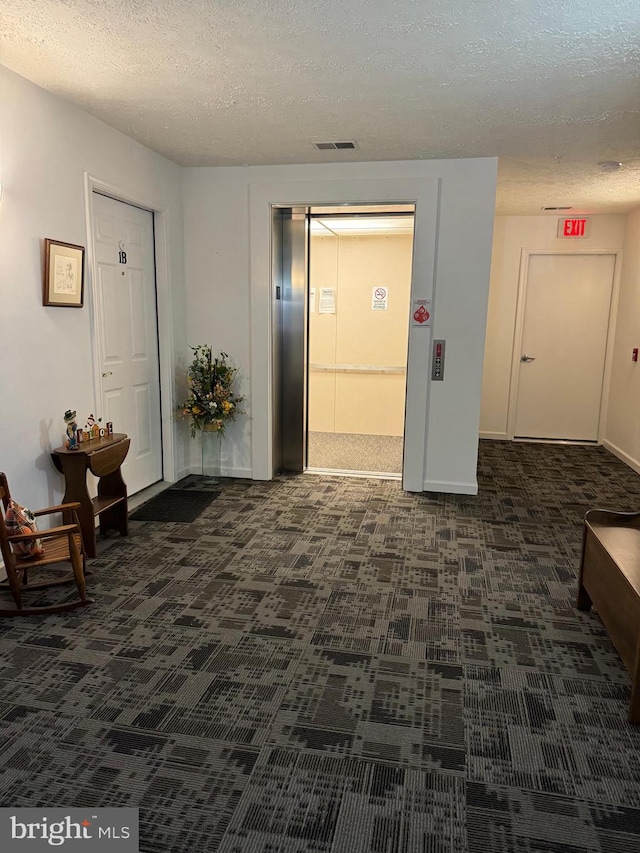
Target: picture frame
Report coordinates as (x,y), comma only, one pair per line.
(63,284)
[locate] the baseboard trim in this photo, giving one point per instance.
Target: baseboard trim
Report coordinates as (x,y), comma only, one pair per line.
(628,460)
(450,488)
(237,473)
(182,473)
(494,436)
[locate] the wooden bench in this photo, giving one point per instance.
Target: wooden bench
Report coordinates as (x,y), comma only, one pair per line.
(610,580)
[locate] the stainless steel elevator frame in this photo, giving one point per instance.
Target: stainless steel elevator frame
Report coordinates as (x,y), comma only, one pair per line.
(290,267)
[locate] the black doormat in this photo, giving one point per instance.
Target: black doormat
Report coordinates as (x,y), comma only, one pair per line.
(183,505)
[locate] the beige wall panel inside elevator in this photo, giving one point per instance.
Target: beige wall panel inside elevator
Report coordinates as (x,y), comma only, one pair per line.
(363,402)
(323,272)
(322,393)
(370,404)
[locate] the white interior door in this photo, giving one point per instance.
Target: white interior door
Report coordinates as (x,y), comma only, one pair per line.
(564,341)
(125,302)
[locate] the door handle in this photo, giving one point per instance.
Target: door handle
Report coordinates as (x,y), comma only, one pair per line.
(527,358)
(108,373)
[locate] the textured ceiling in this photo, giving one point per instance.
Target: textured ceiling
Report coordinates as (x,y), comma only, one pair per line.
(550,87)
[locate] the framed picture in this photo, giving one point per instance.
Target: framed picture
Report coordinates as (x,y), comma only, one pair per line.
(63,274)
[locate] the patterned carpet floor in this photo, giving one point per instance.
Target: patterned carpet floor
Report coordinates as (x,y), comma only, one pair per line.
(327,665)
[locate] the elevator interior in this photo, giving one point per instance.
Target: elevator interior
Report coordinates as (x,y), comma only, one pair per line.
(341,300)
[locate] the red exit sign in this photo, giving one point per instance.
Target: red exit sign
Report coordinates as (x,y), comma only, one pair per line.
(573,227)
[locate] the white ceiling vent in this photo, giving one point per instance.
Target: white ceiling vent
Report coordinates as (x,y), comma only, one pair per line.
(557,208)
(335,146)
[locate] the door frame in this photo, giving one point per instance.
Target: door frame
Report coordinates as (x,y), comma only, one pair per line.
(344,209)
(163,306)
(523,277)
(424,193)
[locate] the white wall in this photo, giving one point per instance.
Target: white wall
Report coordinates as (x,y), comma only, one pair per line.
(623,416)
(511,235)
(46,146)
(217,249)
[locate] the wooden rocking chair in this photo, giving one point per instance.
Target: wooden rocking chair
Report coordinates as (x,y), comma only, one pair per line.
(61,545)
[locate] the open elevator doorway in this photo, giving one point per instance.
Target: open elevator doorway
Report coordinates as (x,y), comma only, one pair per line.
(358,304)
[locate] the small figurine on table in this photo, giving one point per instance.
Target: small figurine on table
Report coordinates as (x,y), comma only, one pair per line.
(71,442)
(92,429)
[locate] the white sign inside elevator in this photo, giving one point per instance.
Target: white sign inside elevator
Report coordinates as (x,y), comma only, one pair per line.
(379,298)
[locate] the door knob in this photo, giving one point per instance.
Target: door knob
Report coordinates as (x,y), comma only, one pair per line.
(527,358)
(108,373)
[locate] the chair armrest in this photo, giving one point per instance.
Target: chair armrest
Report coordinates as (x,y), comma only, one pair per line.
(604,516)
(60,508)
(44,534)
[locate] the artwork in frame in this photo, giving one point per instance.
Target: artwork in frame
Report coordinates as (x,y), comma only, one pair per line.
(63,274)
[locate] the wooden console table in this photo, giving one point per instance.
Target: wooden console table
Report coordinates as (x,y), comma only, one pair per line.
(103,457)
(610,579)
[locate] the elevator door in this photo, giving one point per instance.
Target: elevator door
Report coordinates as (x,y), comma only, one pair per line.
(289,317)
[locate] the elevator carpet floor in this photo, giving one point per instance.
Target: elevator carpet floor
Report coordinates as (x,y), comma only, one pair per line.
(354,452)
(331,665)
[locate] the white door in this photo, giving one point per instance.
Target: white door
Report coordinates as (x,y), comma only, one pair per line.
(564,341)
(125,303)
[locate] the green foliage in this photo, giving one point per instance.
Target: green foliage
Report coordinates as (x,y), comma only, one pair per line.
(211,398)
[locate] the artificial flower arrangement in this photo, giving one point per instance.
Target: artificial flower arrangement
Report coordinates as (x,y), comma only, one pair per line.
(211,402)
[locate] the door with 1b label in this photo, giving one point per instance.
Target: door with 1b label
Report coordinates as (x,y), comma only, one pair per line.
(564,342)
(125,300)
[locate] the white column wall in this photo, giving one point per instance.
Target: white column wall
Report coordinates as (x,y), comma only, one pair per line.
(47,147)
(218,277)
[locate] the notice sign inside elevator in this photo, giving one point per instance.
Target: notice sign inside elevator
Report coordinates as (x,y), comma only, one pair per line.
(327,303)
(379,298)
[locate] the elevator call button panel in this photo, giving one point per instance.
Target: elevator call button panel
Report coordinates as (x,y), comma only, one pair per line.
(437,364)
